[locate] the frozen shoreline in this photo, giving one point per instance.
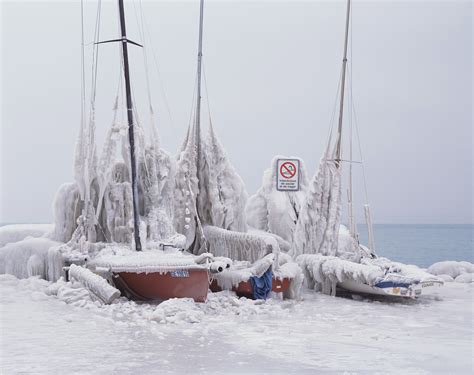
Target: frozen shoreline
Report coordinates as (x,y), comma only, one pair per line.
(68,332)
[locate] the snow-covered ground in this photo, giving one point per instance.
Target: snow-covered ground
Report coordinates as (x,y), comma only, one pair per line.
(57,328)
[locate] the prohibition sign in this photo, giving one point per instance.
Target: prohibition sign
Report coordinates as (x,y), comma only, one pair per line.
(288,170)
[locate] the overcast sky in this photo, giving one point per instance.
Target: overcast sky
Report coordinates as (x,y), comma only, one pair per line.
(272,72)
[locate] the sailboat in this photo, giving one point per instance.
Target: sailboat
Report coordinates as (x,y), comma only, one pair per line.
(332,258)
(125,231)
(211,205)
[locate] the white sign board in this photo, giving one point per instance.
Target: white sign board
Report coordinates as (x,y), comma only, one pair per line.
(288,175)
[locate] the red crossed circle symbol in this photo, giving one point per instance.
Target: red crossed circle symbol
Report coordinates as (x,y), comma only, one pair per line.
(288,170)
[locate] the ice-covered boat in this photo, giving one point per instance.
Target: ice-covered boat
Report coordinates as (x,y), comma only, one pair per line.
(210,209)
(332,258)
(116,219)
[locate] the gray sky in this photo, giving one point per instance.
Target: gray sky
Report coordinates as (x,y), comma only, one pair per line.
(272,70)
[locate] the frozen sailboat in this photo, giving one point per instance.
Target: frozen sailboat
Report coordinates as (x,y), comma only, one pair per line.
(332,257)
(125,231)
(211,200)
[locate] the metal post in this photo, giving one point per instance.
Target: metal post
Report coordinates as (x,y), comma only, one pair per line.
(343,83)
(131,136)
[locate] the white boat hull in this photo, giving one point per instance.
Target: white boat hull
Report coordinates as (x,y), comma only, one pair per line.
(404,291)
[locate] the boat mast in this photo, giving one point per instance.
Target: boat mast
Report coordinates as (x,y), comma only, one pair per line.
(343,85)
(352,225)
(131,136)
(198,96)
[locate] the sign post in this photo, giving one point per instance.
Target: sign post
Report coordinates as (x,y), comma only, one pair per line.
(288,175)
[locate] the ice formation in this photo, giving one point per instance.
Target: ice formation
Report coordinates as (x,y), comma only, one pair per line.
(317,228)
(26,256)
(187,190)
(94,283)
(451,268)
(225,193)
(323,273)
(208,190)
(17,232)
(465,278)
(106,186)
(276,211)
(239,246)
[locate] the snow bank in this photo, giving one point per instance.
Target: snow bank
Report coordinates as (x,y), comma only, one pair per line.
(465,278)
(28,257)
(446,278)
(451,268)
(223,305)
(276,211)
(17,232)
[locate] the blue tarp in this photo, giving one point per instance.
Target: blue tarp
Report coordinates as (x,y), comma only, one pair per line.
(262,286)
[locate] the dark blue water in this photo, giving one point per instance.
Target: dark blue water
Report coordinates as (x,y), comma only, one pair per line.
(422,244)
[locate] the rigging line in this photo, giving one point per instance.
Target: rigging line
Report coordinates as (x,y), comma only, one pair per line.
(193,101)
(139,129)
(333,115)
(163,91)
(147,75)
(95,56)
(356,126)
(207,93)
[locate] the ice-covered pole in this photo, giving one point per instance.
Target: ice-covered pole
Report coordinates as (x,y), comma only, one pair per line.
(94,283)
(131,136)
(343,85)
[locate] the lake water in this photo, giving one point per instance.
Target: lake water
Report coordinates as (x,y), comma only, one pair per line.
(422,244)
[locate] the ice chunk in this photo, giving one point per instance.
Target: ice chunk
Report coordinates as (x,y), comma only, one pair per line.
(465,278)
(15,257)
(94,283)
(451,268)
(17,232)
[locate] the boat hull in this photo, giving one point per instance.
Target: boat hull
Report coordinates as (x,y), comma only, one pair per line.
(160,286)
(244,288)
(408,291)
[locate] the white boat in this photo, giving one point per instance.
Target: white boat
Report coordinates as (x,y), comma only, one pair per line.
(332,257)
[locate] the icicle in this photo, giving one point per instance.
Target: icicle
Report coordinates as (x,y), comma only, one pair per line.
(223,205)
(370,229)
(318,223)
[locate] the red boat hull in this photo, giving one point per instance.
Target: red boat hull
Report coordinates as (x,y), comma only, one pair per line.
(157,286)
(244,288)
